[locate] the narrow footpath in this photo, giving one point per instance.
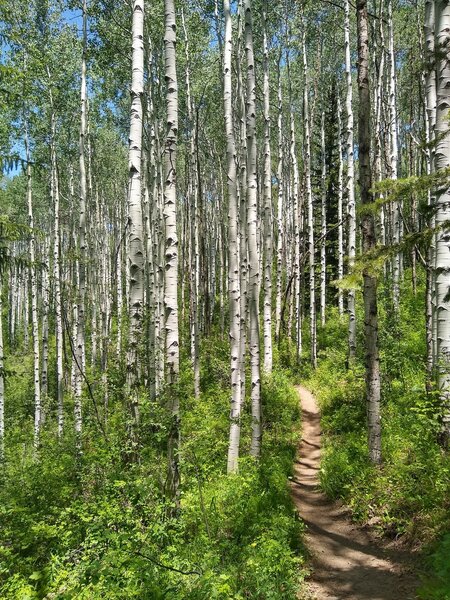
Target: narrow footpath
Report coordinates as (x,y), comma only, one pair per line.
(346,561)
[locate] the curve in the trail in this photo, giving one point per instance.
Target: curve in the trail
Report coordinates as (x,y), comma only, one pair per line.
(346,562)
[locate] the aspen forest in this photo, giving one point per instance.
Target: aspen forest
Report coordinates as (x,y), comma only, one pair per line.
(225,299)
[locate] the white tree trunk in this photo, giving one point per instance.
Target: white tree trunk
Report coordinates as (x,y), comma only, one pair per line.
(268,242)
(340,194)
(311,248)
(350,185)
(233,251)
(280,240)
(442,161)
(323,227)
(252,220)
(393,161)
(135,222)
(34,304)
(57,287)
(171,249)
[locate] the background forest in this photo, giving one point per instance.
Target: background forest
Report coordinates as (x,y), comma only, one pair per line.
(201,204)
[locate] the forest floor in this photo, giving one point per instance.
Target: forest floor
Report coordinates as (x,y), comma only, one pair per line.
(347,561)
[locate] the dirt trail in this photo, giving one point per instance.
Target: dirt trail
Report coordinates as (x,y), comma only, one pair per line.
(346,561)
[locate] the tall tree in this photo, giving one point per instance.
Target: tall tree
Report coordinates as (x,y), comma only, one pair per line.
(252,217)
(233,249)
(171,250)
(373,385)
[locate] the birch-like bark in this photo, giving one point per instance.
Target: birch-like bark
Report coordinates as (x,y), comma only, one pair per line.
(350,186)
(233,250)
(45,311)
(252,219)
(430,124)
(373,386)
(54,191)
(194,267)
(80,346)
(296,297)
(135,221)
(442,161)
(393,161)
(323,225)
(340,194)
(279,283)
(171,249)
(34,304)
(267,185)
(311,248)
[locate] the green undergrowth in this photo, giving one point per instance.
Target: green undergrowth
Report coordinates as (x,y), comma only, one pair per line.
(409,495)
(100,527)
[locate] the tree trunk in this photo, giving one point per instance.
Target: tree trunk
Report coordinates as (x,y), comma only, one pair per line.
(171,249)
(442,161)
(350,187)
(368,239)
(268,242)
(135,222)
(252,219)
(233,251)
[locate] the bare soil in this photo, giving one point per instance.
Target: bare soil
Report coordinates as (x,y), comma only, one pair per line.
(346,560)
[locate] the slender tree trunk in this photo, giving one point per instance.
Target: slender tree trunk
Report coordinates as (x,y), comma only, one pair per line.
(54,192)
(393,161)
(34,303)
(442,161)
(280,175)
(311,247)
(233,251)
(369,239)
(350,186)
(45,311)
(252,218)
(430,124)
(340,194)
(268,242)
(135,221)
(80,346)
(323,228)
(171,250)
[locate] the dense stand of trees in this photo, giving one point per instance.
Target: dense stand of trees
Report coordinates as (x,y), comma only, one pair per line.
(122,261)
(252,191)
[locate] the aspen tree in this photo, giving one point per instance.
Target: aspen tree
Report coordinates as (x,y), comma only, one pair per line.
(194,267)
(55,196)
(311,247)
(80,348)
(34,302)
(368,239)
(171,247)
(233,249)
(252,218)
(393,161)
(45,311)
(279,282)
(323,225)
(442,161)
(430,124)
(340,193)
(267,186)
(350,186)
(135,222)
(296,292)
